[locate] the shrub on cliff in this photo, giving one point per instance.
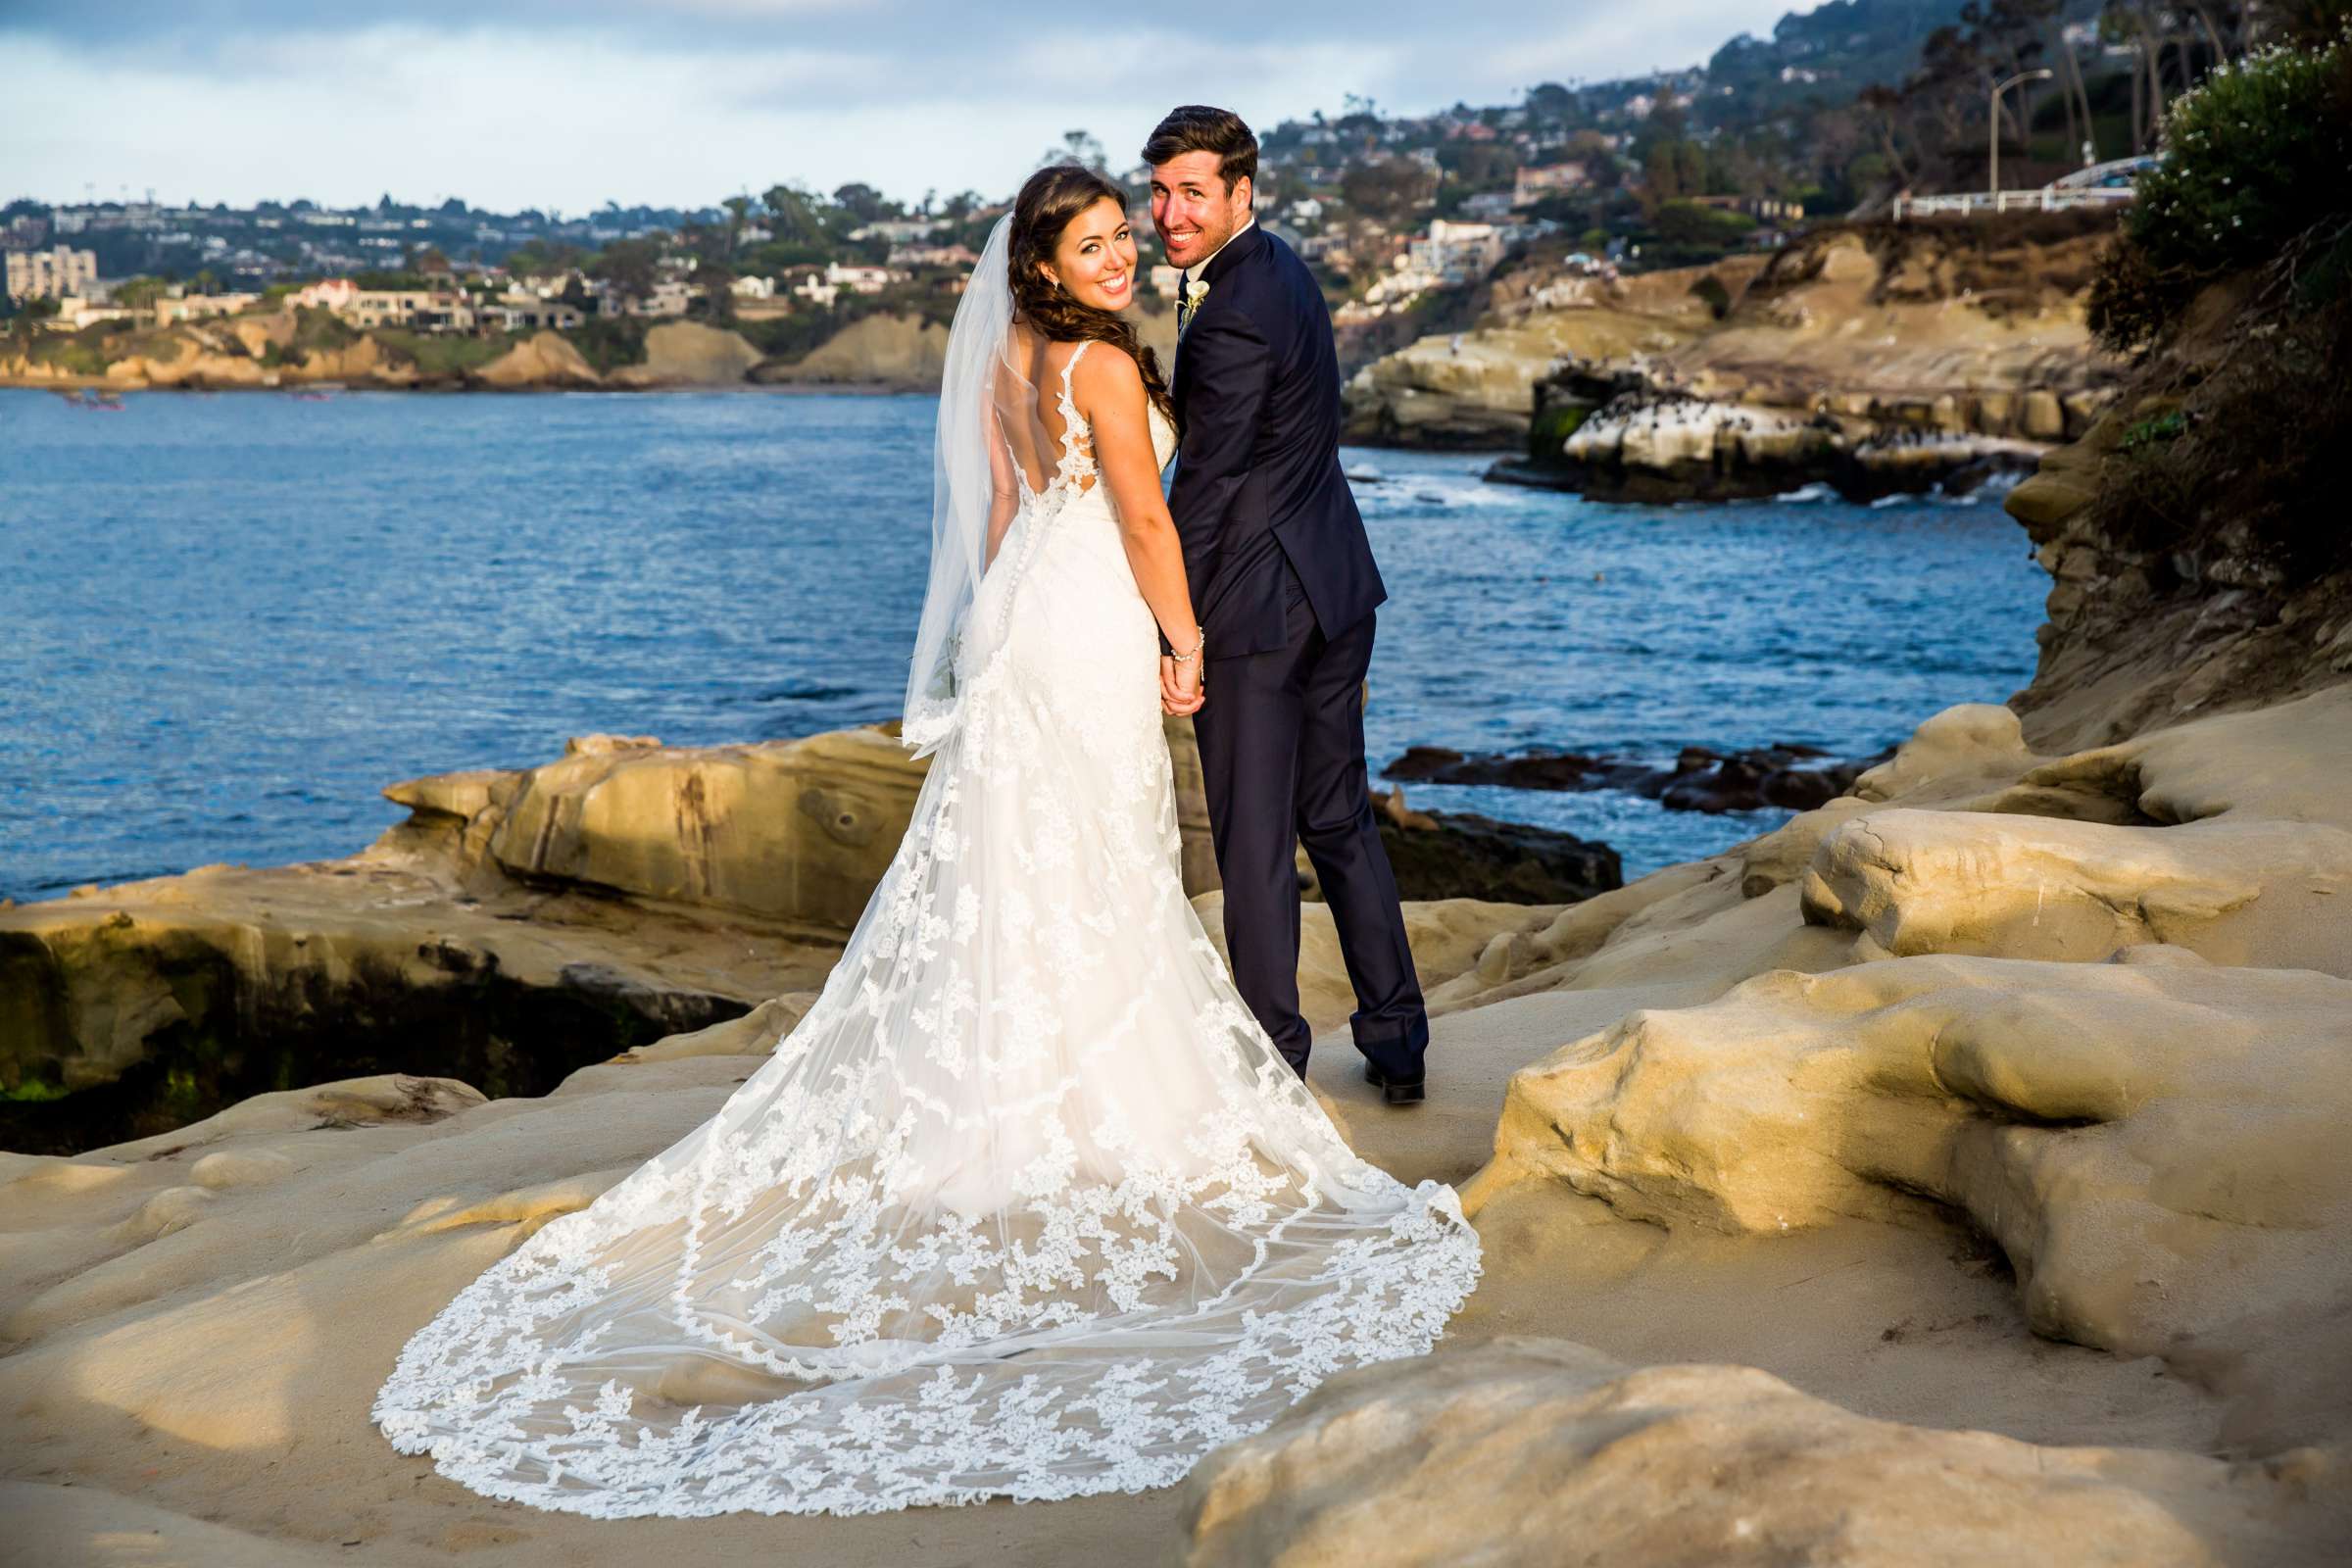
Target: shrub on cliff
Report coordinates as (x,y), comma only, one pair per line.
(2234,275)
(2254,172)
(319,328)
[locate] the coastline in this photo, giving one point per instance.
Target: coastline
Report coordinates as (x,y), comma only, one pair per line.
(789,388)
(1937,1161)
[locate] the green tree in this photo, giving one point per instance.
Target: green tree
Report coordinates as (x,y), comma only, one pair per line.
(1078,147)
(864,203)
(792,214)
(139,293)
(1389,190)
(629,265)
(543,258)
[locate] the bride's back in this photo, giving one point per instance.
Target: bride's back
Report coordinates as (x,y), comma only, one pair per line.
(1030,412)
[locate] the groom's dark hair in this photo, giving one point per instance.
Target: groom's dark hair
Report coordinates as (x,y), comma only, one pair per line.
(1198,129)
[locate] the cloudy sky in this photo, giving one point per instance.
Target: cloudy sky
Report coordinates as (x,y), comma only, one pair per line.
(565,104)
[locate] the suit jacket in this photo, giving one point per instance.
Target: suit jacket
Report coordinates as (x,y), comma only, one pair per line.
(1257,477)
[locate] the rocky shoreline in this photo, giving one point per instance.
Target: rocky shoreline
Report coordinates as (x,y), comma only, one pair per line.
(1951,1175)
(1872,359)
(296,350)
(622,892)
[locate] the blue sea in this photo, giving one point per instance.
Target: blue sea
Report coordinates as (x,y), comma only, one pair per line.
(226,621)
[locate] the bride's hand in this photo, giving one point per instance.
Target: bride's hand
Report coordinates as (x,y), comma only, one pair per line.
(1181,688)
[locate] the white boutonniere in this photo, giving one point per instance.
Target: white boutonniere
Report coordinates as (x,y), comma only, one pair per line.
(1194,293)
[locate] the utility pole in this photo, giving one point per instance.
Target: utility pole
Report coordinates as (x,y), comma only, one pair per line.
(1992,129)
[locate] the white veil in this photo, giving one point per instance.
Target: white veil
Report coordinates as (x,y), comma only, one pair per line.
(964,491)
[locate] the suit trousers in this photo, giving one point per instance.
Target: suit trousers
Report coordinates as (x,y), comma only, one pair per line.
(1282,754)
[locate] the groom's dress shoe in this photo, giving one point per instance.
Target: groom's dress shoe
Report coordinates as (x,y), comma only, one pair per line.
(1396,1090)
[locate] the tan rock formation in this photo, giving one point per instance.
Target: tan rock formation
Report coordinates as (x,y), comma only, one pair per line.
(545,359)
(1477,388)
(888,350)
(2152,1142)
(796,831)
(689,353)
(2231,891)
(1540,1452)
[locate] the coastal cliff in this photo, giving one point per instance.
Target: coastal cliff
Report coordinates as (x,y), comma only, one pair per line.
(1872,357)
(288,349)
(282,350)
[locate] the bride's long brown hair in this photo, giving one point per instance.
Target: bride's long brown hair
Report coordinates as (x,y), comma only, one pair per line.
(1053,196)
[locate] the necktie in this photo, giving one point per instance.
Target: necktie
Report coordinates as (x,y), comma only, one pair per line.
(1184,300)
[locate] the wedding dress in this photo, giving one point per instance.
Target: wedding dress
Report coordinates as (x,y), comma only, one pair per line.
(1027,1205)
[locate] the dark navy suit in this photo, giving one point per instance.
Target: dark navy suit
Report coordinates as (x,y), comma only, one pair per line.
(1284,583)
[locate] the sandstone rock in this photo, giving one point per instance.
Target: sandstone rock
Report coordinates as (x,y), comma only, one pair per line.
(1979,743)
(1540,1453)
(754,1034)
(168,1211)
(2153,1146)
(230,1168)
(385,1100)
(1476,389)
(545,359)
(2042,888)
(793,830)
(689,353)
(2043,419)
(890,350)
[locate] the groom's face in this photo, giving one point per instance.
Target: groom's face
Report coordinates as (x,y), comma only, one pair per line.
(1191,208)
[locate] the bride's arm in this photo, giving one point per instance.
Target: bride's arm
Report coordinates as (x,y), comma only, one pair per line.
(1110,391)
(1004,499)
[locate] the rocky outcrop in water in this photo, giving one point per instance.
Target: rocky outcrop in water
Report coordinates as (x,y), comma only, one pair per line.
(1793,777)
(1476,389)
(688,353)
(1653,448)
(1875,359)
(1462,855)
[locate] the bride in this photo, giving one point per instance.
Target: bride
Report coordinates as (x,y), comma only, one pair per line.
(1027,1205)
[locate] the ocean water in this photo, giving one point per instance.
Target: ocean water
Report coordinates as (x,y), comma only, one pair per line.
(226,621)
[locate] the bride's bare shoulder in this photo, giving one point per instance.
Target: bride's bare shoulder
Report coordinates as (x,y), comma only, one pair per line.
(1109,372)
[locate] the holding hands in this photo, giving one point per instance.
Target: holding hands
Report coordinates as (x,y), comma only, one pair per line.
(1183,678)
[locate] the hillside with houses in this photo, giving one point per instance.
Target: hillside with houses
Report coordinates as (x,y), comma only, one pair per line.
(1410,219)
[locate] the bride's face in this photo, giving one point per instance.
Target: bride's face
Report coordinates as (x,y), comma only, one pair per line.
(1095,258)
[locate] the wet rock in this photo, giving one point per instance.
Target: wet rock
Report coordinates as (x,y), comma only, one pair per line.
(1460,855)
(1789,776)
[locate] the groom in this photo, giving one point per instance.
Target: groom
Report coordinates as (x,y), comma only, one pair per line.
(1284,584)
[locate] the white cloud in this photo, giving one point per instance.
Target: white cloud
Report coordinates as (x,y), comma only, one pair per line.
(569,106)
